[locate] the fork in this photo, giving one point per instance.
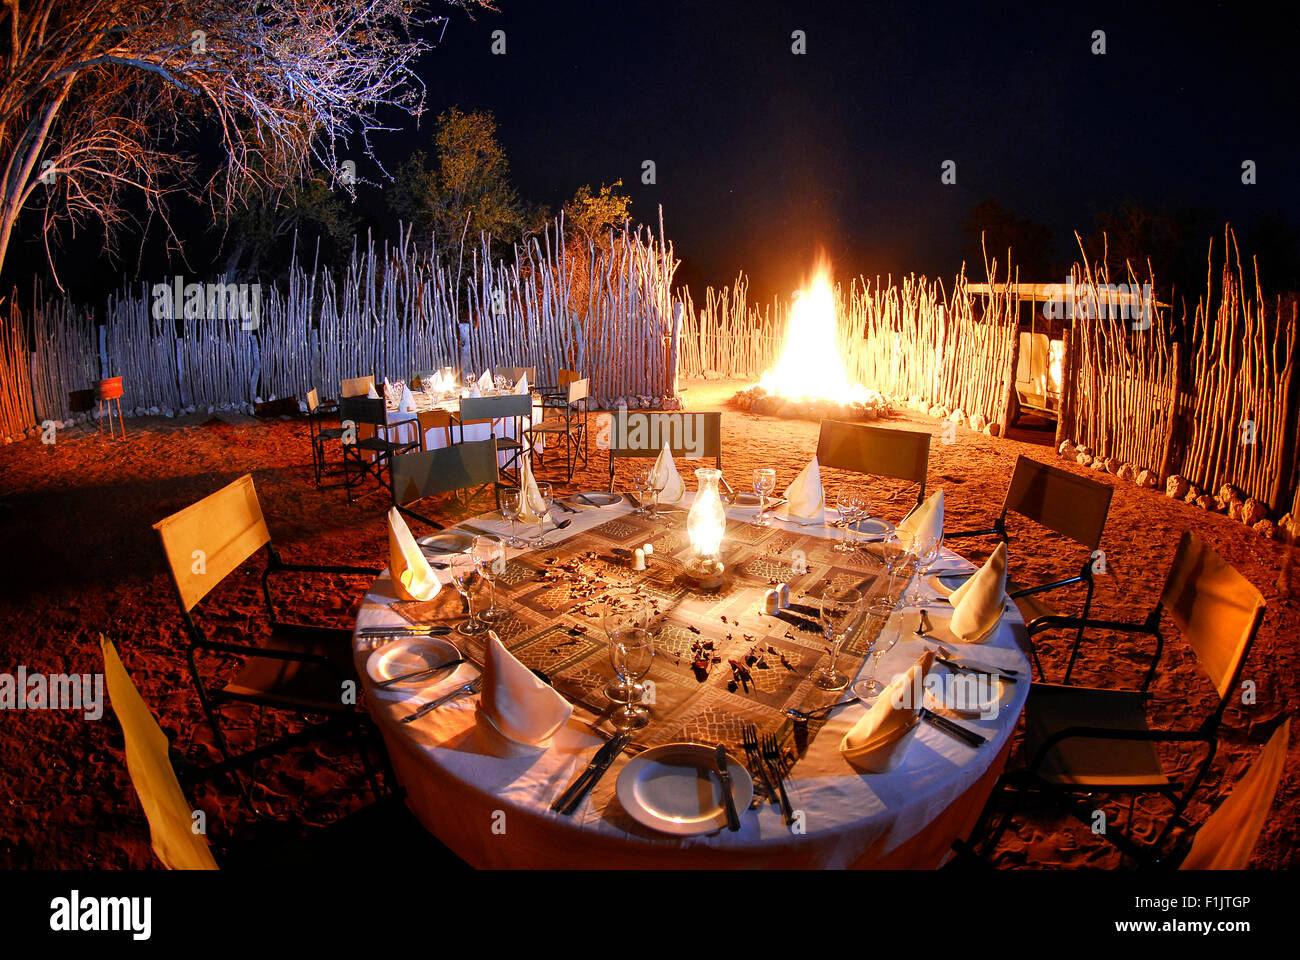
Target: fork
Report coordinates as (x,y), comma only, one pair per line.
(772,754)
(749,739)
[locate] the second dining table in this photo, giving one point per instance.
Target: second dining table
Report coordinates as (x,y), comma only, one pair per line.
(493,807)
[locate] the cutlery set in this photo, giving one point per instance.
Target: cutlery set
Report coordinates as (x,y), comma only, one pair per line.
(765,756)
(568,801)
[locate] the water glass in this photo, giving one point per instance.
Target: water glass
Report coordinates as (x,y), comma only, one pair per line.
(631,649)
(851,505)
(878,615)
(464,574)
(489,555)
(764,484)
(510,501)
(625,610)
(541,505)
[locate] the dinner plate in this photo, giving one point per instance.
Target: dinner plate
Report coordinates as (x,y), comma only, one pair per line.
(596,497)
(410,654)
(446,543)
(975,696)
(675,788)
(946,582)
(873,528)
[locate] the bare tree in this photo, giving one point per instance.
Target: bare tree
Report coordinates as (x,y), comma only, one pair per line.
(102,97)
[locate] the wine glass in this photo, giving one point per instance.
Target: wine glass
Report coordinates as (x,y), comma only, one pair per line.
(541,505)
(850,504)
(639,485)
(926,549)
(510,501)
(764,484)
(878,615)
(631,649)
(489,555)
(624,611)
(464,574)
(838,607)
(893,554)
(654,485)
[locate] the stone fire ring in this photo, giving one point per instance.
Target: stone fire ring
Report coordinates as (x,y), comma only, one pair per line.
(758,401)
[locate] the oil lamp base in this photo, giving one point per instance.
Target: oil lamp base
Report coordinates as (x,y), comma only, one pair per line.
(704,574)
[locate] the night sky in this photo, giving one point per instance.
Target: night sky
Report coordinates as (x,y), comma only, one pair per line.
(763,156)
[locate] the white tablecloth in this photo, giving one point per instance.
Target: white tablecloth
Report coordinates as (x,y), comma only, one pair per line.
(466,796)
(437,437)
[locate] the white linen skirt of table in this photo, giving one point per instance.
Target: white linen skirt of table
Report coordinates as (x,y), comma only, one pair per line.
(494,812)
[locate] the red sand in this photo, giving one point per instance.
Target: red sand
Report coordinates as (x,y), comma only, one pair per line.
(75,525)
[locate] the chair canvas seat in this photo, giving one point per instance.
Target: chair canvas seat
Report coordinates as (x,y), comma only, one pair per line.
(1083,762)
(292,683)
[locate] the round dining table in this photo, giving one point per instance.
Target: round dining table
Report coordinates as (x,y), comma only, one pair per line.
(493,809)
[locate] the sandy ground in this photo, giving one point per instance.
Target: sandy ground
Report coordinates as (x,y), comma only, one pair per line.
(81,558)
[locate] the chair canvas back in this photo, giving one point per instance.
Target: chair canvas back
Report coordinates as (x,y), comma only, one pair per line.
(1226,840)
(368,410)
(147,761)
(578,390)
(424,473)
(313,400)
(567,377)
(1073,506)
(207,540)
(356,386)
(1217,610)
(641,433)
(514,373)
(495,408)
(904,454)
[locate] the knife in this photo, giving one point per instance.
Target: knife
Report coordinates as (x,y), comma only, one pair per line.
(468,688)
(587,500)
(419,673)
(969,737)
(633,500)
(480,530)
(733,818)
(1008,678)
(568,801)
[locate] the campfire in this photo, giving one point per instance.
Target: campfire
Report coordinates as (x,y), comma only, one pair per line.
(810,380)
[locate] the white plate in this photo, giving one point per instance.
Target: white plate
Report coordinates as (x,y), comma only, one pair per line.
(446,543)
(873,529)
(598,498)
(974,697)
(410,654)
(675,788)
(946,582)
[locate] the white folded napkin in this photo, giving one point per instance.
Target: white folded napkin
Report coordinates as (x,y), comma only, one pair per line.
(485,382)
(926,521)
(878,742)
(666,477)
(474,391)
(407,403)
(977,603)
(371,394)
(515,699)
(806,500)
(413,578)
(531,508)
(522,386)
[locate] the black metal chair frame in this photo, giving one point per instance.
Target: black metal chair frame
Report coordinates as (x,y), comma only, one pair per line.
(512,446)
(372,412)
(570,426)
(212,700)
(319,434)
(1029,780)
(1085,576)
